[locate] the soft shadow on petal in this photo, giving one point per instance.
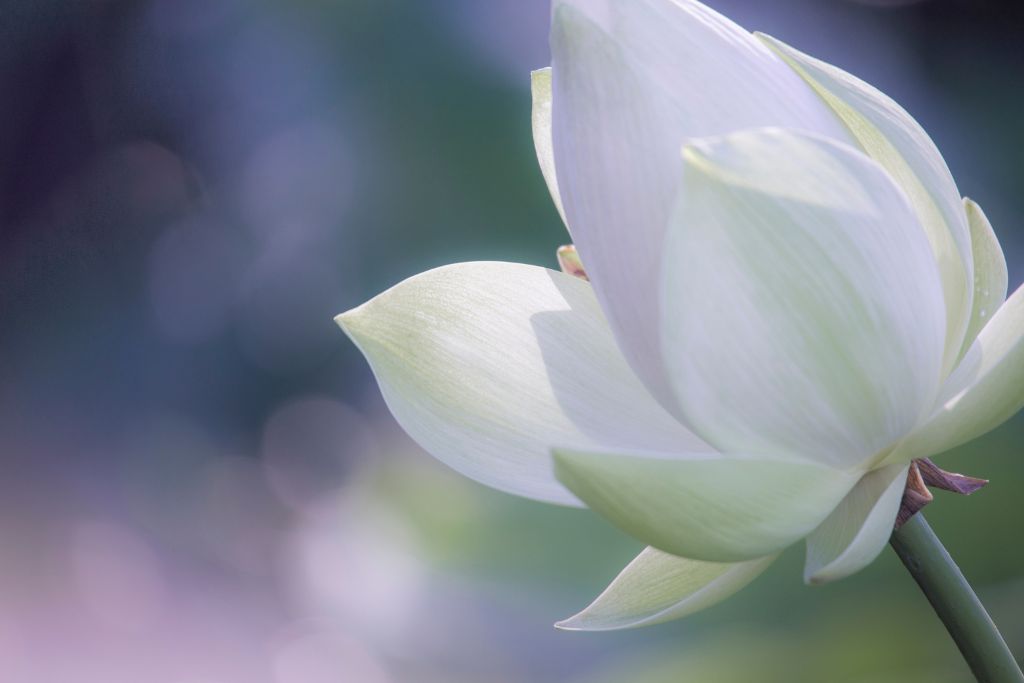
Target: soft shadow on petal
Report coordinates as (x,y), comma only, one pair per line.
(657,587)
(985,390)
(593,385)
(712,508)
(802,309)
(893,138)
(857,531)
(488,365)
(631,81)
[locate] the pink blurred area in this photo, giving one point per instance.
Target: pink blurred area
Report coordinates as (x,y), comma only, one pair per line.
(214,567)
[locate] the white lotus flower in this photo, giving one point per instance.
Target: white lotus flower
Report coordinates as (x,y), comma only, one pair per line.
(788,302)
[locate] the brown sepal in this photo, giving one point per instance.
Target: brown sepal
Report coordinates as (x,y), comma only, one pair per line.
(924,473)
(933,475)
(915,496)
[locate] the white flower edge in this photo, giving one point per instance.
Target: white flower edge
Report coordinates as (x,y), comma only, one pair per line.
(540,89)
(990,276)
(624,78)
(797,274)
(858,529)
(657,587)
(488,364)
(714,508)
(986,390)
(891,136)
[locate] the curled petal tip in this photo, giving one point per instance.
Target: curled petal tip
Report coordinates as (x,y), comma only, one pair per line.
(570,624)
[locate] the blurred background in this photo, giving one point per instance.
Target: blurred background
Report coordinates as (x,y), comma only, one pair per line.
(199,481)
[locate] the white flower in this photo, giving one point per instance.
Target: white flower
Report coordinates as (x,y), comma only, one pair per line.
(789,303)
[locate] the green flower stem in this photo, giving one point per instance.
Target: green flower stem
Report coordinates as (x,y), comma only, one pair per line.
(955,602)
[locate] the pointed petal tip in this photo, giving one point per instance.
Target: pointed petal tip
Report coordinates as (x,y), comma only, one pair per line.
(582,622)
(572,624)
(826,574)
(814,579)
(347,321)
(856,532)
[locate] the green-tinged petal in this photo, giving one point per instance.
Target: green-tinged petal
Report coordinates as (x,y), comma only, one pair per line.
(990,276)
(712,508)
(657,587)
(487,365)
(985,390)
(894,139)
(801,307)
(858,529)
(540,86)
(630,82)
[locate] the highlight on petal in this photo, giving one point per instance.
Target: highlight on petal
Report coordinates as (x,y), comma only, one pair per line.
(858,529)
(657,587)
(711,508)
(985,390)
(894,139)
(540,87)
(801,307)
(990,276)
(630,82)
(486,365)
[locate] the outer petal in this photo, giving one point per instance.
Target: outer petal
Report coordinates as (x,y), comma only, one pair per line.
(986,390)
(893,138)
(857,531)
(540,87)
(802,309)
(657,587)
(487,365)
(713,508)
(631,81)
(990,276)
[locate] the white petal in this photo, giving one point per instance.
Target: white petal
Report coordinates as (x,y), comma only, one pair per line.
(986,390)
(488,365)
(712,508)
(802,310)
(540,87)
(631,81)
(893,138)
(990,276)
(857,531)
(657,587)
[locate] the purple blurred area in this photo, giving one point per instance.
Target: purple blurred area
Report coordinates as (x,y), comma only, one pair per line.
(200,483)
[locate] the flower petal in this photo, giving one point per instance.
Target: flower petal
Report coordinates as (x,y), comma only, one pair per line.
(487,365)
(990,276)
(857,531)
(894,139)
(631,81)
(540,87)
(712,508)
(802,310)
(986,390)
(657,587)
